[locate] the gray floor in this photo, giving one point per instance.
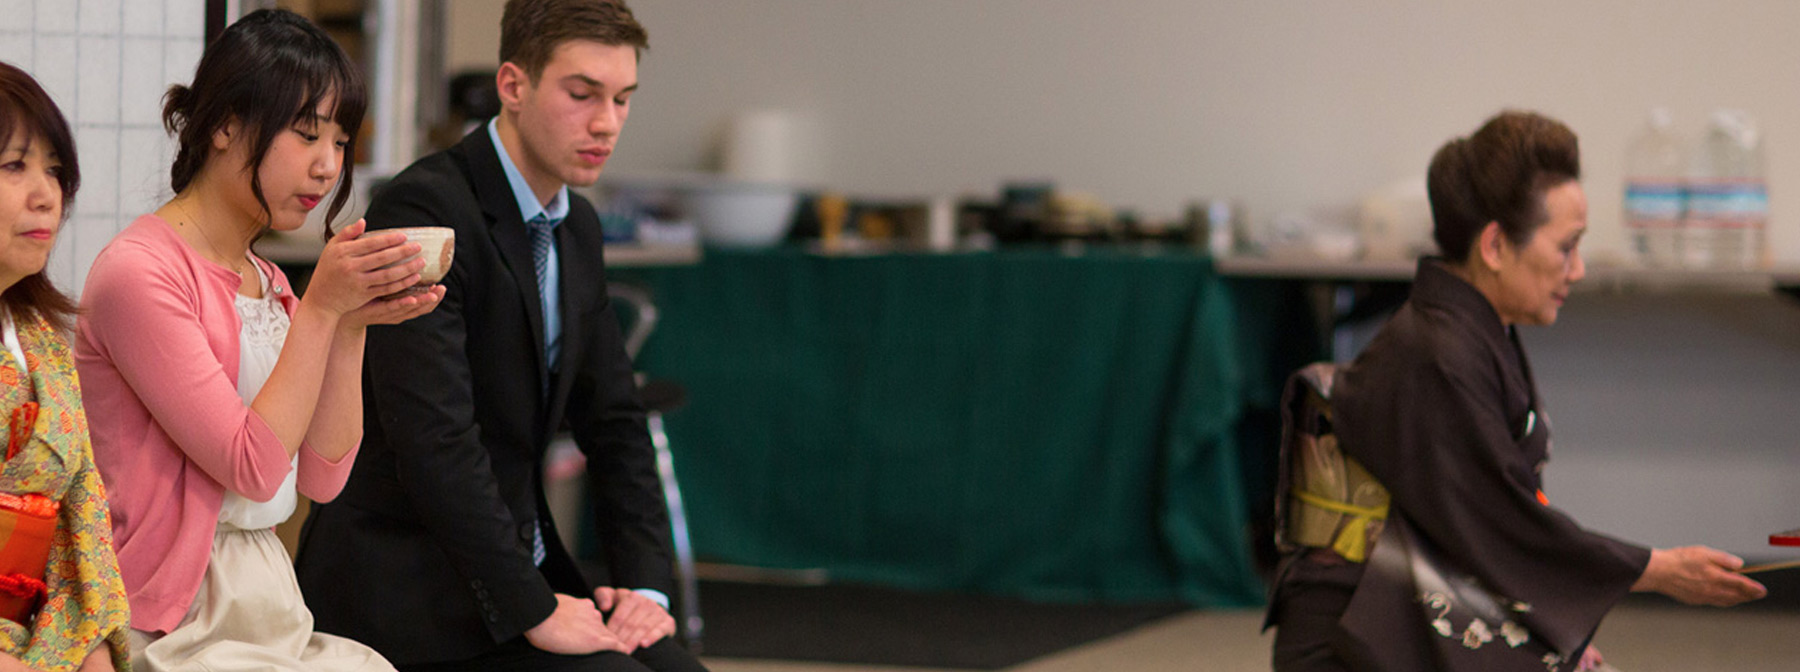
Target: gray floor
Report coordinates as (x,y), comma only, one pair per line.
(1635,638)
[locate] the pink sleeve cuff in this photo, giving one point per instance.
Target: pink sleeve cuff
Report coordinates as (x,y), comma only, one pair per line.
(322,479)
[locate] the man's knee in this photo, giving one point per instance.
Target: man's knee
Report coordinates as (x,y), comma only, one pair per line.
(668,655)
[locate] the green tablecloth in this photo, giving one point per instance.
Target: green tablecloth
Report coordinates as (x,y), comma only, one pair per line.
(1031,423)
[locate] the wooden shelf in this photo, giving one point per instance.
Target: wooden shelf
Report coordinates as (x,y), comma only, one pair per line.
(620,255)
(303,250)
(1302,268)
(1600,277)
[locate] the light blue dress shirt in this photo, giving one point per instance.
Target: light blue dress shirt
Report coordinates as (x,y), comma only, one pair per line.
(554,212)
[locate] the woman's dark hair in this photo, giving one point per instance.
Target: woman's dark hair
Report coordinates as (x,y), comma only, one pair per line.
(26,108)
(1499,174)
(268,71)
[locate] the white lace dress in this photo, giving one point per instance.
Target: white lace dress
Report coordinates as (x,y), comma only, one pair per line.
(249,614)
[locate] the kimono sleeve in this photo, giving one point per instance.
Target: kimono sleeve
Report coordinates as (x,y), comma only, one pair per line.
(85,598)
(1433,428)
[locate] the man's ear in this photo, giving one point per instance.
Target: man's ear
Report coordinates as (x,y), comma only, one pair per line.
(1492,246)
(512,83)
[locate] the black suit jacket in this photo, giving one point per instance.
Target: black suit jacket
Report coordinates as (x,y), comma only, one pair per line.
(426,556)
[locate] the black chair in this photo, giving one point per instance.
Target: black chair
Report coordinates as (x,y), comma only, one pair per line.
(637,315)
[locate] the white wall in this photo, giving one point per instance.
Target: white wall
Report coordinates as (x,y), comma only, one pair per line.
(1288,104)
(1146,103)
(1675,417)
(106,64)
(472,33)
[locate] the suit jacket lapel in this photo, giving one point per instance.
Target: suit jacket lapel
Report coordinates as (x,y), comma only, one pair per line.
(507,229)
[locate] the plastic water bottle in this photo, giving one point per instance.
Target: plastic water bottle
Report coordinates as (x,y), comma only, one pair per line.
(1655,191)
(1728,197)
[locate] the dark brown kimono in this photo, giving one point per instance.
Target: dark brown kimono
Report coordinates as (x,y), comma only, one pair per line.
(1442,409)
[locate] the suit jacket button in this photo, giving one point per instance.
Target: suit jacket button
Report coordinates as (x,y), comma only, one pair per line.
(493,617)
(476,584)
(526,530)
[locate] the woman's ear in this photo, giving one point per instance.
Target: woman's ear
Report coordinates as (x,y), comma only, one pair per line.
(1492,246)
(228,131)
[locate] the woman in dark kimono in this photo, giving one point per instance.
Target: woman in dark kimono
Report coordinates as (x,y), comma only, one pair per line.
(1472,568)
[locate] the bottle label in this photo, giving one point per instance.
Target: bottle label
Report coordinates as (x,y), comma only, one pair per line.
(1727,203)
(1653,204)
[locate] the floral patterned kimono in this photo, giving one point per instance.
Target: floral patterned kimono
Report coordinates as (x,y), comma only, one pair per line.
(85,600)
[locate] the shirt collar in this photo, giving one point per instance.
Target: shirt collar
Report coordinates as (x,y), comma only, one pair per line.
(529,208)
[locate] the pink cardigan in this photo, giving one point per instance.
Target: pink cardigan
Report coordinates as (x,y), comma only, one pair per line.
(157,350)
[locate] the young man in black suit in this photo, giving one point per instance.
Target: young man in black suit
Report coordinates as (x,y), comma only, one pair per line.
(440,552)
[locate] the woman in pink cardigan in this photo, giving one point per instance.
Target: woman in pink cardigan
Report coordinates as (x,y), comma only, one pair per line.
(214,393)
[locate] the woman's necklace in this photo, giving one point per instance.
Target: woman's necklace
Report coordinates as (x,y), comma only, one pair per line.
(236,264)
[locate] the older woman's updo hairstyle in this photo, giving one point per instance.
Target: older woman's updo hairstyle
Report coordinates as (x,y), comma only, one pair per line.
(1499,174)
(268,71)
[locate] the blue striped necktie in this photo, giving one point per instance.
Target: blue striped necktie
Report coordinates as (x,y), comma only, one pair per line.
(541,231)
(540,256)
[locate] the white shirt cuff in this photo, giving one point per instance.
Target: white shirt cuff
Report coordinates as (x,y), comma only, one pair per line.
(655,596)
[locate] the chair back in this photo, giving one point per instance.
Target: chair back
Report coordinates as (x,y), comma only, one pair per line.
(637,314)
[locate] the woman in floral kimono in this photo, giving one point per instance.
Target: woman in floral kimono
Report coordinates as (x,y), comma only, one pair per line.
(62,605)
(1471,567)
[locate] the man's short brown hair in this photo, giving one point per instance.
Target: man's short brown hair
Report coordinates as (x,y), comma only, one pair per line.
(531,30)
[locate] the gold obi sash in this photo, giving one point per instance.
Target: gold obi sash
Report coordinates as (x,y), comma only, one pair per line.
(1330,500)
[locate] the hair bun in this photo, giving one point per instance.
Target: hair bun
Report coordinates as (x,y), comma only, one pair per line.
(178,105)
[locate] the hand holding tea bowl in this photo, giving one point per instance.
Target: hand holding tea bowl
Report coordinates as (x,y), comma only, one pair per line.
(437,248)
